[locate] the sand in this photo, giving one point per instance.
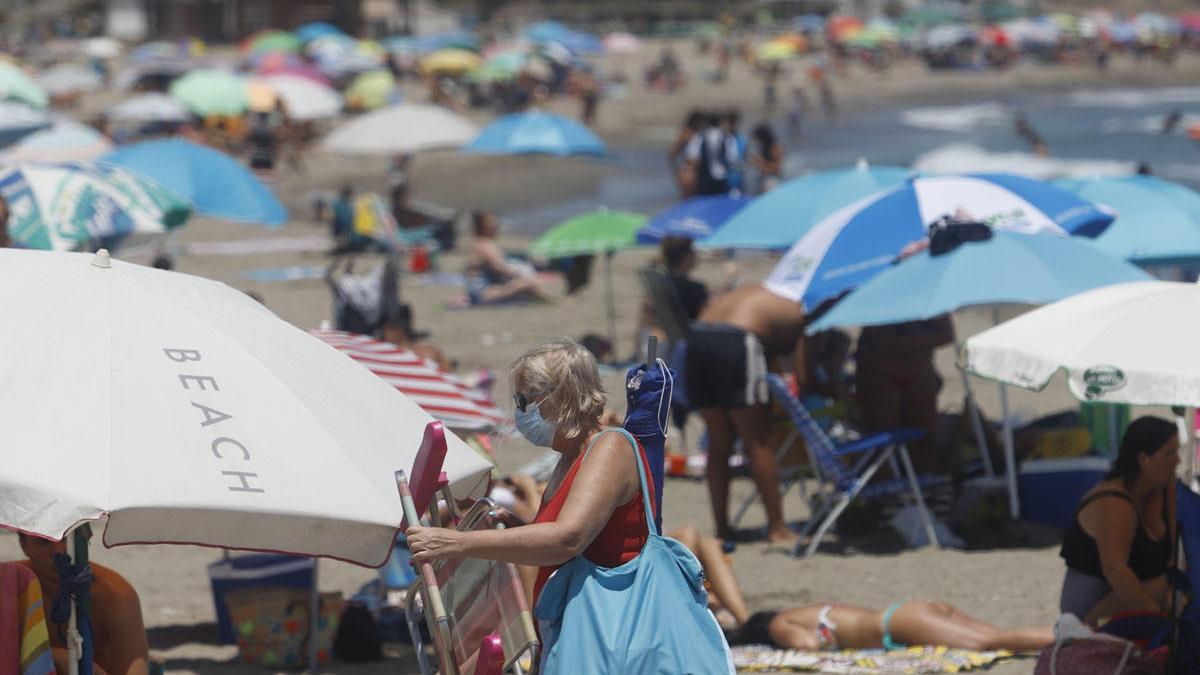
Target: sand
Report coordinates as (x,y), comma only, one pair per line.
(1012,580)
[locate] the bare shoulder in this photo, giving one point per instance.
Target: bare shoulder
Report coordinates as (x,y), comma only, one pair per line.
(111,585)
(612,450)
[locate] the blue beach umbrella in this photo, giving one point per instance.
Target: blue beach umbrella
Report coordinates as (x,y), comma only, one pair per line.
(1158,222)
(695,218)
(854,244)
(317,29)
(1010,268)
(217,184)
(780,217)
(536,133)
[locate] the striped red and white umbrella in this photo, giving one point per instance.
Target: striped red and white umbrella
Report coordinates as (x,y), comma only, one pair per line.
(439,393)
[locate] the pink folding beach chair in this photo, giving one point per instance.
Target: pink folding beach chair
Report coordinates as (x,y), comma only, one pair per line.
(480,621)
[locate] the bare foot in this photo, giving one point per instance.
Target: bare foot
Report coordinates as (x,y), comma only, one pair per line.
(783,536)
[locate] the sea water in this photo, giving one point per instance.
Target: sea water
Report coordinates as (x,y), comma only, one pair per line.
(1088,132)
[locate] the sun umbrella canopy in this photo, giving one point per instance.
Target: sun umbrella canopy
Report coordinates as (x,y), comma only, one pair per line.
(102,48)
(15,85)
(150,108)
(18,120)
(450,62)
(217,184)
(780,217)
(212,92)
(69,78)
(67,140)
(274,41)
(694,218)
(304,98)
(601,231)
(1010,268)
(371,90)
(65,206)
(1157,220)
(203,418)
(622,43)
(857,242)
(401,129)
(536,133)
(1130,343)
(439,393)
(318,29)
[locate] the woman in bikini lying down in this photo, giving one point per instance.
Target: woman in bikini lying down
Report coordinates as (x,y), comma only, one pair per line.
(831,626)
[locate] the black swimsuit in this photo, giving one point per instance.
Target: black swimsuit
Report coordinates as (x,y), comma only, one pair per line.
(1147,558)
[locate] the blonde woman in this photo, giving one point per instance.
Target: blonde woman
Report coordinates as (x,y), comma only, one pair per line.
(592,503)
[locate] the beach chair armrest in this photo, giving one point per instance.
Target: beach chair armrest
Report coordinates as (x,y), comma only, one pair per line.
(894,437)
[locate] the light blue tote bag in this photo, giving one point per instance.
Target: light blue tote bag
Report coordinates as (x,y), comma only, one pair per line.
(649,615)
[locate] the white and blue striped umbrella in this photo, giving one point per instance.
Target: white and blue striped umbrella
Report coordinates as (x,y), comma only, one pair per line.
(854,244)
(18,120)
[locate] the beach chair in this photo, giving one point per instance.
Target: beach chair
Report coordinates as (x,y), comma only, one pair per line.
(490,626)
(1185,643)
(845,470)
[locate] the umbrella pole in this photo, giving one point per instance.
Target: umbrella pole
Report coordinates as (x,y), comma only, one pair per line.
(977,424)
(77,551)
(1189,446)
(612,306)
(74,641)
(1010,458)
(314,618)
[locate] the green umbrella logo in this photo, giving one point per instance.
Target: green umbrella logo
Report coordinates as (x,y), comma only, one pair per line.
(1101,380)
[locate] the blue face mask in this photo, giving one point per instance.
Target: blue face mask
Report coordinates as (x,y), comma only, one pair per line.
(534,427)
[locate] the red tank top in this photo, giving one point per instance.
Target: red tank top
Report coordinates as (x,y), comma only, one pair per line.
(623,535)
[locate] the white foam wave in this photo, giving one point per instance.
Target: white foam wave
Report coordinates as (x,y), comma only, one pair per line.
(1134,98)
(963,158)
(957,119)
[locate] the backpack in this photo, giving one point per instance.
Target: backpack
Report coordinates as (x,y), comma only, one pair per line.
(357,638)
(706,182)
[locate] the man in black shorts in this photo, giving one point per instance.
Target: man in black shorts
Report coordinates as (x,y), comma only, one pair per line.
(730,348)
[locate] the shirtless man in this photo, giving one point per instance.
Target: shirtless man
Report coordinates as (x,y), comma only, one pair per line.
(119,635)
(737,336)
(897,383)
(490,277)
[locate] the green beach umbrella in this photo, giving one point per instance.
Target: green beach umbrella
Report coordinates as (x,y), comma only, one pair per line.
(599,232)
(212,92)
(15,85)
(275,41)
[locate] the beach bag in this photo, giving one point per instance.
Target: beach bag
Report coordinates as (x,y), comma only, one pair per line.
(649,615)
(1078,650)
(272,625)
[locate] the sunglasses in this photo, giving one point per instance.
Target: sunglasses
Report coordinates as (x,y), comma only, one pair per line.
(522,402)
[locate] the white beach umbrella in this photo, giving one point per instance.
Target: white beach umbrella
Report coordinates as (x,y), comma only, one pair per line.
(186,412)
(69,78)
(403,128)
(1129,343)
(153,107)
(306,99)
(102,47)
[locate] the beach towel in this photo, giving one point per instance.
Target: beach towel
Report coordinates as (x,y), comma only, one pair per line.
(761,658)
(24,640)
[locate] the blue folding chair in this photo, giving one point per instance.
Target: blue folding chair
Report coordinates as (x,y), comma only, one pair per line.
(1186,642)
(845,470)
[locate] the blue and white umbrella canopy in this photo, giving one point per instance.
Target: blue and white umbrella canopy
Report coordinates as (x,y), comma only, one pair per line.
(780,217)
(695,218)
(217,184)
(1158,222)
(536,133)
(1010,268)
(857,242)
(18,120)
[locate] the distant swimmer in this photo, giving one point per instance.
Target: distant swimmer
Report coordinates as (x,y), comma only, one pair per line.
(1171,121)
(1026,131)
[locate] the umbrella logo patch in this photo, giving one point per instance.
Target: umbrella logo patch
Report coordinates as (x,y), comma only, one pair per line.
(1101,380)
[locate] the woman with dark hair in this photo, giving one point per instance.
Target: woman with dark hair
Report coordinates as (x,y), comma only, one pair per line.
(767,158)
(1119,546)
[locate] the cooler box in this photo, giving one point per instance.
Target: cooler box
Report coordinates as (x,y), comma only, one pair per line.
(257,570)
(1050,489)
